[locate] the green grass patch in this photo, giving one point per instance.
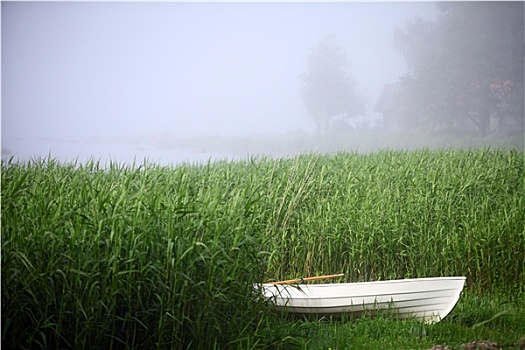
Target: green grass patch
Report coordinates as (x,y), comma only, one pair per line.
(475,318)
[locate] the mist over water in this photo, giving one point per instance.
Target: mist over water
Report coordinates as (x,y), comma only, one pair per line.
(168,81)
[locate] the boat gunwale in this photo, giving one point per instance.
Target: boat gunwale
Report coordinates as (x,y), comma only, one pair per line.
(396,281)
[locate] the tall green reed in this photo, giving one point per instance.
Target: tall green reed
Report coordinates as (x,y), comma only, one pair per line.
(394,214)
(165,257)
(119,257)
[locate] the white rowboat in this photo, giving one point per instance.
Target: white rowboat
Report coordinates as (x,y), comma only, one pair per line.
(425,299)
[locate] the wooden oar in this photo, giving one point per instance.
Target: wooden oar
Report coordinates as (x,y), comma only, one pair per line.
(301,280)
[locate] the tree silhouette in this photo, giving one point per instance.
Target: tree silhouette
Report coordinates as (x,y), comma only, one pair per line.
(467,67)
(328,90)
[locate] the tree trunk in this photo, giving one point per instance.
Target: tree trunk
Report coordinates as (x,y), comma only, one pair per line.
(485,110)
(325,116)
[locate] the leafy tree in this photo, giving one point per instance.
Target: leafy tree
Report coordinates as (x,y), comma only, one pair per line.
(466,67)
(328,90)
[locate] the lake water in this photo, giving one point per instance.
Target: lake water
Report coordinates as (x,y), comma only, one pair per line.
(71,151)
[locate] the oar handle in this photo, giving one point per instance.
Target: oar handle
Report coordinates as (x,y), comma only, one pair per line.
(301,280)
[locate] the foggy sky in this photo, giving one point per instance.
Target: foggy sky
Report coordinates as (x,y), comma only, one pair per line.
(76,70)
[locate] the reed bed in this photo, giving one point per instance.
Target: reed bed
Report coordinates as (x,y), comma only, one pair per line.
(145,256)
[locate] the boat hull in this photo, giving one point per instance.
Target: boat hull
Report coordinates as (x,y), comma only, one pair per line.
(425,299)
